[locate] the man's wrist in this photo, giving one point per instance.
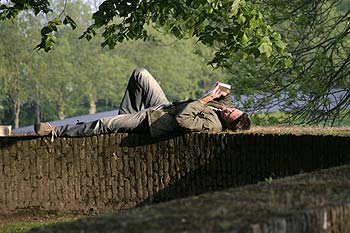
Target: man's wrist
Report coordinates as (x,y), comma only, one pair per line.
(206,99)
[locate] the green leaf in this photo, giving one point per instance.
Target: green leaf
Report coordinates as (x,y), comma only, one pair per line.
(254,23)
(69,20)
(280,45)
(55,21)
(287,62)
(265,48)
(241,19)
(3,7)
(45,30)
(89,33)
(234,8)
(245,38)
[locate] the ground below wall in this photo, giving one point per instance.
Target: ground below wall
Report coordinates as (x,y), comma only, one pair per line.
(119,171)
(316,202)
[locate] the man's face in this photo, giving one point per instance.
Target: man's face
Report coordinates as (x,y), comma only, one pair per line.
(229,115)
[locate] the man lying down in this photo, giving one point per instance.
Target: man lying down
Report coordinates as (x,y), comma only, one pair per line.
(146,109)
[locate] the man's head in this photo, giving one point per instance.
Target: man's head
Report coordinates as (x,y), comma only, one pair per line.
(235,119)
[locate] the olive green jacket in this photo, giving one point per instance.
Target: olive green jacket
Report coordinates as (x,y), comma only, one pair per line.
(185,116)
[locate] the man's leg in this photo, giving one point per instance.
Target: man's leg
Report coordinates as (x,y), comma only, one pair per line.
(135,122)
(142,92)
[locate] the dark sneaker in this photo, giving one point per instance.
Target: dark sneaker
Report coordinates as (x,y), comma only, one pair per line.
(44,129)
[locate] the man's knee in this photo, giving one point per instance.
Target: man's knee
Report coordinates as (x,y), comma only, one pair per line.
(141,72)
(142,76)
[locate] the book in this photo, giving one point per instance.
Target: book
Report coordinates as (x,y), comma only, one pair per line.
(222,86)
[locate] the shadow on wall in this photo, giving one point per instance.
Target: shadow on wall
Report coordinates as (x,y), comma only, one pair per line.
(196,163)
(8,141)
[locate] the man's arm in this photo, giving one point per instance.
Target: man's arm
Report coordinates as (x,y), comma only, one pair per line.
(215,92)
(198,117)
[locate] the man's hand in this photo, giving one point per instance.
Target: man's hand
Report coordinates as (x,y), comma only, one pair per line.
(214,92)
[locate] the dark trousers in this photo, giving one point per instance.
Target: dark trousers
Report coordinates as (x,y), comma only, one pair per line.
(142,92)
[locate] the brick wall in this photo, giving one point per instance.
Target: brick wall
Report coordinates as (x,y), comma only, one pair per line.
(119,171)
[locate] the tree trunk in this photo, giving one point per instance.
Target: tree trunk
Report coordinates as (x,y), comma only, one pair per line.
(60,103)
(92,104)
(37,103)
(60,108)
(61,115)
(17,108)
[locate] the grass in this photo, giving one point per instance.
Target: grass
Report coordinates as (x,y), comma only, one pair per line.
(273,123)
(276,118)
(19,227)
(15,224)
(301,130)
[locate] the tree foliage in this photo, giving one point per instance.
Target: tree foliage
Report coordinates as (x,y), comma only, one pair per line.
(227,25)
(316,88)
(15,70)
(79,77)
(312,86)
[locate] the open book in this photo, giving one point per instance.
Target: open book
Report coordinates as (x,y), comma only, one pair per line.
(222,86)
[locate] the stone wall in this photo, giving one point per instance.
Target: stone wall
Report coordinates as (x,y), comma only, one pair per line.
(119,171)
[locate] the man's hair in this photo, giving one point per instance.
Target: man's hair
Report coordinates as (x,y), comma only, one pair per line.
(242,123)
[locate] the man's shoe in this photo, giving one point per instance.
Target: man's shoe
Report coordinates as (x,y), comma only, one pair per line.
(44,129)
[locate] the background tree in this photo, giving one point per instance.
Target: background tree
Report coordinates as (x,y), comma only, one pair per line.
(226,25)
(79,77)
(316,88)
(313,88)
(15,60)
(179,65)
